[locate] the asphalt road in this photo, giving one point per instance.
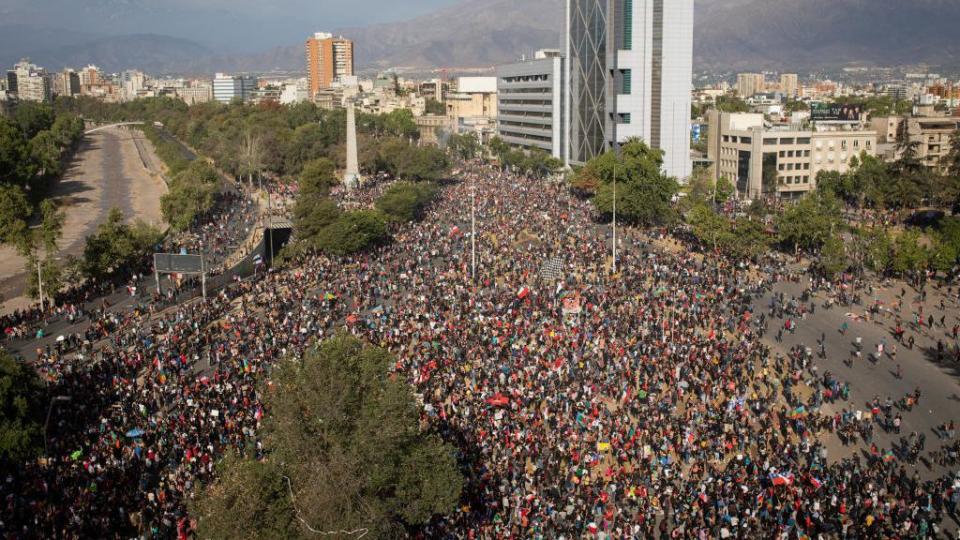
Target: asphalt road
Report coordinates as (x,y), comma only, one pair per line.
(940,391)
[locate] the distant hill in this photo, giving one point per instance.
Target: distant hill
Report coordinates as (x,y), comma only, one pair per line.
(148,52)
(729,34)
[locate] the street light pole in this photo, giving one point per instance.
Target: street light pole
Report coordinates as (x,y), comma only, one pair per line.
(40,283)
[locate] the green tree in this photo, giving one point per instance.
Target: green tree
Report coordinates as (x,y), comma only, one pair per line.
(464,146)
(400,123)
(346,434)
(33,118)
(498,147)
(833,256)
(192,194)
(318,177)
(406,201)
(400,159)
(15,210)
(808,224)
(16,164)
(708,226)
(117,248)
(310,217)
(21,411)
(52,274)
(45,151)
(731,104)
(250,500)
(353,232)
(909,255)
(435,107)
(644,194)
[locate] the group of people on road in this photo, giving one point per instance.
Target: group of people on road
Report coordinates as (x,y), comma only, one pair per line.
(634,404)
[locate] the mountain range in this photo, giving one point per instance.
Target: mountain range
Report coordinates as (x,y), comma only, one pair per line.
(729,35)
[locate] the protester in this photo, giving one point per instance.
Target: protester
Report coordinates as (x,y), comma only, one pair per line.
(635,405)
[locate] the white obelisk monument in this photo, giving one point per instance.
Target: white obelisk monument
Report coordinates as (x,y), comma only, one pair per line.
(351,177)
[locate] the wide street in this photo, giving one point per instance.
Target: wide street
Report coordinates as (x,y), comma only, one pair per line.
(114,168)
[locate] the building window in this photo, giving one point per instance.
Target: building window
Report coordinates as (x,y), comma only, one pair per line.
(783,153)
(803,140)
(627,26)
(746,140)
(627,81)
(806,153)
(769,141)
(624,118)
(786,141)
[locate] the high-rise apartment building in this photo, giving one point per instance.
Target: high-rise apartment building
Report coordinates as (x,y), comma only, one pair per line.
(133,82)
(329,59)
(630,74)
(30,82)
(749,84)
(790,85)
(90,76)
(66,83)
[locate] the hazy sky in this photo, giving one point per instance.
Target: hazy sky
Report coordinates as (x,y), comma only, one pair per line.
(232,24)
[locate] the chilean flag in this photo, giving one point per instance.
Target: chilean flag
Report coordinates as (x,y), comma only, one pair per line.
(523,293)
(815,483)
(781,479)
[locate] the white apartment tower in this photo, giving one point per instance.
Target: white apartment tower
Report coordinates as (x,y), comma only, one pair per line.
(630,74)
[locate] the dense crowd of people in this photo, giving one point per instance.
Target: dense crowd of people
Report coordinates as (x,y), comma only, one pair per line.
(640,404)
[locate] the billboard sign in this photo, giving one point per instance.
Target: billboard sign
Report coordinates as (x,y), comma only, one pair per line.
(834,112)
(178,264)
(695,132)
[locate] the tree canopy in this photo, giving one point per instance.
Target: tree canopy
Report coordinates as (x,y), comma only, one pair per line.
(644,193)
(116,247)
(21,411)
(345,434)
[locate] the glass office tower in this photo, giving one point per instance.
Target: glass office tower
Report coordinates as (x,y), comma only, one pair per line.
(630,74)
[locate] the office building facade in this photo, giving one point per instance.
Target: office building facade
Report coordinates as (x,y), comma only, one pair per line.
(226,88)
(530,104)
(329,59)
(780,162)
(630,74)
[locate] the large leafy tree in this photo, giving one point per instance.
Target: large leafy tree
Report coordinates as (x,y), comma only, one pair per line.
(810,223)
(406,201)
(344,452)
(353,232)
(644,193)
(21,411)
(15,210)
(16,164)
(192,194)
(117,247)
(317,179)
